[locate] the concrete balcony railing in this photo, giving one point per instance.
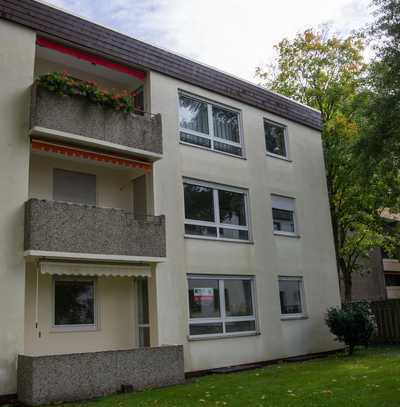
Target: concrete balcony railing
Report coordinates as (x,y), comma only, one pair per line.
(78,120)
(52,226)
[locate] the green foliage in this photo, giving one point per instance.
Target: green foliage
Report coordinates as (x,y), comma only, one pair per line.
(352,324)
(327,72)
(320,70)
(63,84)
(381,141)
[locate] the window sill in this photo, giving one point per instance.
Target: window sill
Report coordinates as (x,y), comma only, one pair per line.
(215,239)
(293,317)
(279,157)
(222,336)
(212,151)
(287,234)
(79,328)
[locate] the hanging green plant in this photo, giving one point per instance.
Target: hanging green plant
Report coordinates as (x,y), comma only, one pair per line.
(63,84)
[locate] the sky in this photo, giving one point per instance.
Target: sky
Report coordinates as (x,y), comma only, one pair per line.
(235,36)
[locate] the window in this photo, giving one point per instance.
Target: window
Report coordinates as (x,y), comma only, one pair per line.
(221,306)
(392,280)
(283,215)
(74,303)
(275,139)
(216,212)
(72,186)
(143,313)
(291,296)
(207,125)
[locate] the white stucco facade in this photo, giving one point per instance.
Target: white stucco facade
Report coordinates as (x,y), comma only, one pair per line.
(26,298)
(17,53)
(310,255)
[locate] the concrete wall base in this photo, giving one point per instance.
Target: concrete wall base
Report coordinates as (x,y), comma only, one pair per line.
(81,376)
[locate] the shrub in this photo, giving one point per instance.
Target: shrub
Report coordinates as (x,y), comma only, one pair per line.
(63,84)
(352,324)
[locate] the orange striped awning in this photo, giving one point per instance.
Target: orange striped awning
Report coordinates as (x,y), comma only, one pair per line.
(69,151)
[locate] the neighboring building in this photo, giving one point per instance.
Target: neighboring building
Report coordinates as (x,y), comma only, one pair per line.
(205,225)
(380,276)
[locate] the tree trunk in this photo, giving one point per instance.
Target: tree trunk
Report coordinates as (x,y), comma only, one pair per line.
(335,229)
(347,283)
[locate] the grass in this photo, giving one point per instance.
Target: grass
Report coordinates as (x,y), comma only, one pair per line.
(370,378)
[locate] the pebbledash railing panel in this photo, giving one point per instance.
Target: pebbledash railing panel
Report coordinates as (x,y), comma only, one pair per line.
(54,226)
(78,116)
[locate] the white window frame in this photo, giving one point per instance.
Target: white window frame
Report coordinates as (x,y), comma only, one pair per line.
(74,327)
(217,224)
(211,136)
(295,225)
(303,314)
(285,140)
(223,319)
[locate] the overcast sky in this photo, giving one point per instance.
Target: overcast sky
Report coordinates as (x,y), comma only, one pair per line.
(232,35)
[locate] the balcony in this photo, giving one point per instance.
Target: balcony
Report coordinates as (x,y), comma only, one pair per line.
(79,121)
(99,233)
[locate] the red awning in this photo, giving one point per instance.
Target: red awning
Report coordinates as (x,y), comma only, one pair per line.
(39,145)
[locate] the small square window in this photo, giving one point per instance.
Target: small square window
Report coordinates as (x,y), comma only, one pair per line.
(275,139)
(291,296)
(283,215)
(74,303)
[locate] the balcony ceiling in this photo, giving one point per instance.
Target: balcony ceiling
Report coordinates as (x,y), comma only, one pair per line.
(71,63)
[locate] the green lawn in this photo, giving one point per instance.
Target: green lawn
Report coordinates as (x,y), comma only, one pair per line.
(369,378)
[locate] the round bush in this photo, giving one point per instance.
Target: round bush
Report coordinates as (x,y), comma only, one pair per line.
(352,324)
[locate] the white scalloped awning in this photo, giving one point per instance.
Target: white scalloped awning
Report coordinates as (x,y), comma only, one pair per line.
(82,269)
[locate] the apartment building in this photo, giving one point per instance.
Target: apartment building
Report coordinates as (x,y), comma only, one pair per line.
(380,275)
(189,235)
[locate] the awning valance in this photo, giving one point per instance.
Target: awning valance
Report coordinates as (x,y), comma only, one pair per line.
(39,145)
(82,269)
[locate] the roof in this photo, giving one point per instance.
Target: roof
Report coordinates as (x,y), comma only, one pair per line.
(54,23)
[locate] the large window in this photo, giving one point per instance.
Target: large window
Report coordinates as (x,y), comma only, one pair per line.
(283,215)
(74,303)
(221,306)
(275,139)
(207,125)
(72,186)
(291,296)
(215,211)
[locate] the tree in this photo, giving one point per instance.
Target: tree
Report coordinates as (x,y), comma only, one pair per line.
(381,139)
(328,73)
